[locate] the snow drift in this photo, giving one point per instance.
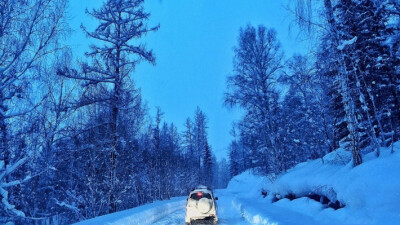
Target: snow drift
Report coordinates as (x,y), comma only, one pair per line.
(370,193)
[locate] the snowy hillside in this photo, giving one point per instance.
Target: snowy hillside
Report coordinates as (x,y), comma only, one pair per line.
(366,194)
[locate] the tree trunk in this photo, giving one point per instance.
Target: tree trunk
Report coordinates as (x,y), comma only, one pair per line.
(4,151)
(346,96)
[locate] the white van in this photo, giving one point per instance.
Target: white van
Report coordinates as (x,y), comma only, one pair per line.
(201,205)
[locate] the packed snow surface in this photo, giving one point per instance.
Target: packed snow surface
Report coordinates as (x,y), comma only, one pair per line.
(143,215)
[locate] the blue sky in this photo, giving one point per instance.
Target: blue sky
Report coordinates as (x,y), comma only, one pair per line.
(194,51)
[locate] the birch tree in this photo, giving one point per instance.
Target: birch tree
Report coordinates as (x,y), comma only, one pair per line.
(257,66)
(29,32)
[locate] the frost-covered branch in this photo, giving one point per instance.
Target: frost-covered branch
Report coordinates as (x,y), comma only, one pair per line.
(7,171)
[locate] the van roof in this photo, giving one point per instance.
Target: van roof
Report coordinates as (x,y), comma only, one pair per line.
(202,190)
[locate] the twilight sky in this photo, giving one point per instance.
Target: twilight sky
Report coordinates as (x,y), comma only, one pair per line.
(194,52)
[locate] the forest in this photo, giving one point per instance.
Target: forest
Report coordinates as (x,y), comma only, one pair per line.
(344,93)
(78,140)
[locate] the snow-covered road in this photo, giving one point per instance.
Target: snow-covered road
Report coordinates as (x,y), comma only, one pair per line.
(233,208)
(226,213)
(170,212)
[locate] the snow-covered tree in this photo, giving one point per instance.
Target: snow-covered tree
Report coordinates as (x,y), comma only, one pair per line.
(357,54)
(121,24)
(29,32)
(305,130)
(188,138)
(221,174)
(257,66)
(200,143)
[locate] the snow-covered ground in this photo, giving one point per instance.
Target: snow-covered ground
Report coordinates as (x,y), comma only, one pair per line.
(226,213)
(369,194)
(169,213)
(146,214)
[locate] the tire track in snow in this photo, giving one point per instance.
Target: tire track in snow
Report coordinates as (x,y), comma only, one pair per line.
(226,213)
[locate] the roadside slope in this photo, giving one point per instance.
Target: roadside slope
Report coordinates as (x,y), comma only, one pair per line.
(366,194)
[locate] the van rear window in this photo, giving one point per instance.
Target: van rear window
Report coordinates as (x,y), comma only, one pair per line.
(199,195)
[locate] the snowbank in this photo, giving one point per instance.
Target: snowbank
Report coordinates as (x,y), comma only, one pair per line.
(143,215)
(247,184)
(370,192)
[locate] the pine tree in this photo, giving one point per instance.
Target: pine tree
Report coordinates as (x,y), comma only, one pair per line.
(233,160)
(208,166)
(157,166)
(200,143)
(189,148)
(188,138)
